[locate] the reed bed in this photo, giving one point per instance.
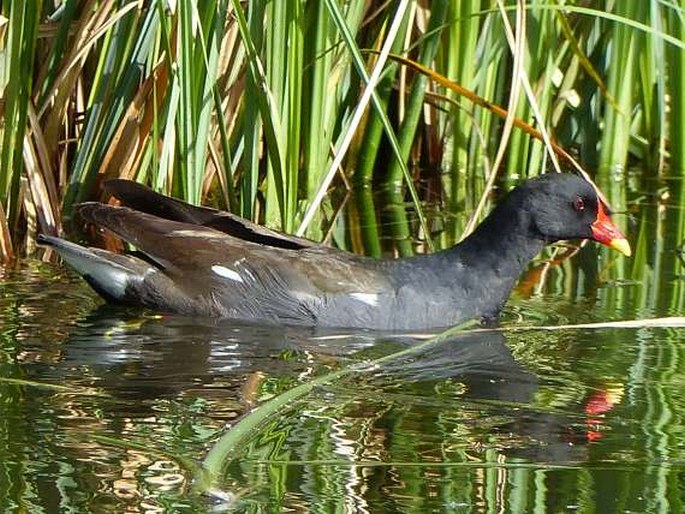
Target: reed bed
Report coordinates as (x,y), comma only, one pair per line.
(343,120)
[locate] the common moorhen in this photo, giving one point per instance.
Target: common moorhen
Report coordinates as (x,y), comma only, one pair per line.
(201,261)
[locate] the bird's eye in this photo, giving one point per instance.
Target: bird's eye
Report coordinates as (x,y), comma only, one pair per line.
(579,204)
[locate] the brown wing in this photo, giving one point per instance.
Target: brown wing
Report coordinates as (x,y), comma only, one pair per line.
(244,278)
(144,199)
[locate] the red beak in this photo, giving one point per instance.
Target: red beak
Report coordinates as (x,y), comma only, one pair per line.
(604,231)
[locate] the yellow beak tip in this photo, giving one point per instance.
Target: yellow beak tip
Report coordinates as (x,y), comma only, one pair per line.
(621,245)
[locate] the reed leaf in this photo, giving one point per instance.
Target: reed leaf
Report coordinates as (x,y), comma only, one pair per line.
(675,58)
(625,49)
(21,33)
(269,120)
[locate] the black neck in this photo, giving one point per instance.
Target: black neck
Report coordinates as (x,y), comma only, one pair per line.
(505,240)
(497,252)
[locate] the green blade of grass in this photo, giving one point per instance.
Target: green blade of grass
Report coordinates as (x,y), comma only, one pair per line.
(228,446)
(125,50)
(369,92)
(676,86)
(414,106)
(271,123)
(626,46)
(22,31)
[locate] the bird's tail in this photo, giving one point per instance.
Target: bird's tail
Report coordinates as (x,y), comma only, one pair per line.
(110,274)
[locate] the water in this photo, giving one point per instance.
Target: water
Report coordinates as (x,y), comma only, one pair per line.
(114,410)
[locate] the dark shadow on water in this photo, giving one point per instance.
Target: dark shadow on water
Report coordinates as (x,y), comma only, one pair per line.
(490,376)
(143,360)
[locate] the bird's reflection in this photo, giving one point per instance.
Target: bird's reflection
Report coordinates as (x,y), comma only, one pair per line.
(142,360)
(481,361)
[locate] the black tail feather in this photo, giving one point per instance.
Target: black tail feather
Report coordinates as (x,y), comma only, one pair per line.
(143,199)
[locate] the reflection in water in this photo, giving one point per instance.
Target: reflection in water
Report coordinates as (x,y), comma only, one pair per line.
(162,356)
(485,369)
(472,404)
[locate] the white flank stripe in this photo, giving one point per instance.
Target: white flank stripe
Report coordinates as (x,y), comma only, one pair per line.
(204,234)
(228,273)
(367,298)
